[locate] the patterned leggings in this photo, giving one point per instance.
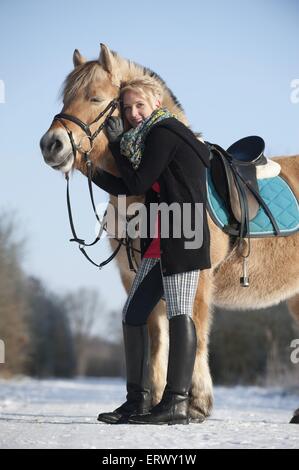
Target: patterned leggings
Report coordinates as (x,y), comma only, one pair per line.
(149,286)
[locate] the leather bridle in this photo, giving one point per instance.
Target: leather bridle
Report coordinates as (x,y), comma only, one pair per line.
(86,127)
(61,117)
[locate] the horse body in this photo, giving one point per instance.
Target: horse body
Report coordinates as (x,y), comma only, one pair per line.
(279,257)
(274,262)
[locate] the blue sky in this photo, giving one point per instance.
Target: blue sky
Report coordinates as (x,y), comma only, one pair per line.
(229,63)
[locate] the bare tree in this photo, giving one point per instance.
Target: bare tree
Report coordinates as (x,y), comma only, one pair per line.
(13,306)
(84,310)
(51,341)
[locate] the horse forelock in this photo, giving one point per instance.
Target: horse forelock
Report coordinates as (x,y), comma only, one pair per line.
(80,78)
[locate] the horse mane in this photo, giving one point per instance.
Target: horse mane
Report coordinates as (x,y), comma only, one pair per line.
(129,70)
(83,75)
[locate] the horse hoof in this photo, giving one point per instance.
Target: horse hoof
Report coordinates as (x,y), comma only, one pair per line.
(198,420)
(295,419)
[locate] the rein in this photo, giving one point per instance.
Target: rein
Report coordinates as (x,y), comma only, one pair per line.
(61,117)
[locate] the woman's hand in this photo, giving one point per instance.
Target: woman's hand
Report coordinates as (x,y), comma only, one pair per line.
(114,128)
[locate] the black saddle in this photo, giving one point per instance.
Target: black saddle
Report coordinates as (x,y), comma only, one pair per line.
(249,150)
(233,172)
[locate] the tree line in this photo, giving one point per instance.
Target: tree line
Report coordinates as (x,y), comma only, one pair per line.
(50,335)
(44,334)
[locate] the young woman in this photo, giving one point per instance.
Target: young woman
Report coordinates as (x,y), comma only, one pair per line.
(161,158)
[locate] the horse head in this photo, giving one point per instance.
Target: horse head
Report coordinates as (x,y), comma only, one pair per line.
(89,93)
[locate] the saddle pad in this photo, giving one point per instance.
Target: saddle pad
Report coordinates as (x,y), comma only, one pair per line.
(280,199)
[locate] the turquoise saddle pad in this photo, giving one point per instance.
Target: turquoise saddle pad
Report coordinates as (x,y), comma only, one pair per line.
(277,195)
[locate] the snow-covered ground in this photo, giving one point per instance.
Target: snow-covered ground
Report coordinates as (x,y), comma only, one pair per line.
(62,414)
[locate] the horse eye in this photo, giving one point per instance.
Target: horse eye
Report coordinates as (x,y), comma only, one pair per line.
(96,99)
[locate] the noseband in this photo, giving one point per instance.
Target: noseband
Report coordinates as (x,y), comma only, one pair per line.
(61,117)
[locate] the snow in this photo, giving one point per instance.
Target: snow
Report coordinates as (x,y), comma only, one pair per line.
(62,414)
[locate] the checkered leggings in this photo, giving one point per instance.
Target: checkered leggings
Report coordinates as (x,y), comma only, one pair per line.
(149,286)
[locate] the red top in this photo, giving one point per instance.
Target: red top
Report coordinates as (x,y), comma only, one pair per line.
(153,251)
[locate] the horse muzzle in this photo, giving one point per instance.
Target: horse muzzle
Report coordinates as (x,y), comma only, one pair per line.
(56,150)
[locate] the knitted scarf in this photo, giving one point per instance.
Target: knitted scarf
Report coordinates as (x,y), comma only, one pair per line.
(132,141)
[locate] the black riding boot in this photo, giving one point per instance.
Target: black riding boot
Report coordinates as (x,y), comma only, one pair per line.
(136,342)
(174,406)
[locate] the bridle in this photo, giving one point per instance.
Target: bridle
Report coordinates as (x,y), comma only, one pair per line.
(61,117)
(86,127)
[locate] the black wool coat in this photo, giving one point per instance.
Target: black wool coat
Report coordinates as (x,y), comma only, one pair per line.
(175,158)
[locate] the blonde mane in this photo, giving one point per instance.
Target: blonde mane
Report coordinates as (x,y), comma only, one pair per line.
(124,70)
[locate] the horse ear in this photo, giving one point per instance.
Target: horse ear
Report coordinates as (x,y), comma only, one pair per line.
(78,59)
(109,63)
(106,59)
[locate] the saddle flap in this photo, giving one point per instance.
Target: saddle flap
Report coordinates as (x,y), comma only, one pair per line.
(253,205)
(225,184)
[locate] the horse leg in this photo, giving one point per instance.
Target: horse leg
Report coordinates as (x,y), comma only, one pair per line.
(293,306)
(158,331)
(201,400)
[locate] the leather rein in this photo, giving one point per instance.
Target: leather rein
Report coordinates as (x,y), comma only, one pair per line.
(126,241)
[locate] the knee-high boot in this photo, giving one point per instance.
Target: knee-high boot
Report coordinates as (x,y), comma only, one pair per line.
(138,399)
(174,406)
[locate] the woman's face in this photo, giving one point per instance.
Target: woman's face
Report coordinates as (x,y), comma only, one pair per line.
(136,108)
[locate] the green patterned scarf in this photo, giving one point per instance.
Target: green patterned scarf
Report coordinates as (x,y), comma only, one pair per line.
(132,141)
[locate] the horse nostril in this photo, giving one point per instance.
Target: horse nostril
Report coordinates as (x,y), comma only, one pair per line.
(52,148)
(55,146)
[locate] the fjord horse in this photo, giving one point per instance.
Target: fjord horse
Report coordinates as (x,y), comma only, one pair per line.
(274,262)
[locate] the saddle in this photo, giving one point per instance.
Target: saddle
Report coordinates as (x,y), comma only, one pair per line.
(234,175)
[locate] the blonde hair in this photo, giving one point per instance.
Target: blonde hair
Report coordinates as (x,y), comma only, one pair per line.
(147,87)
